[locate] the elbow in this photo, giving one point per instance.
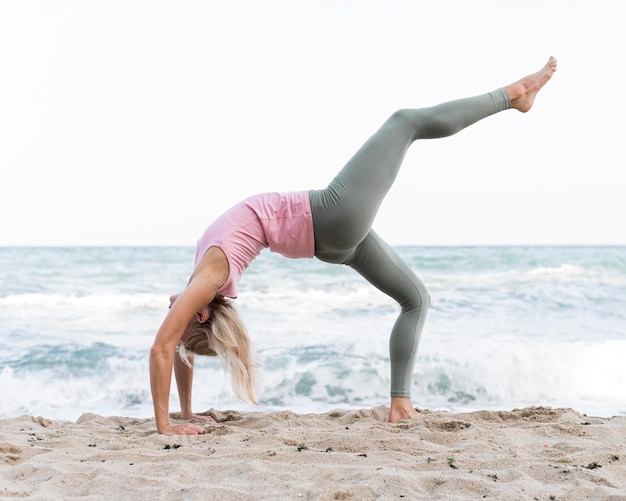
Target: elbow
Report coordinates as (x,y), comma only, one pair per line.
(160,352)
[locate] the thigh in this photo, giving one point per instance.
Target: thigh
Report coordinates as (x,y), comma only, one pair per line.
(343,212)
(381,266)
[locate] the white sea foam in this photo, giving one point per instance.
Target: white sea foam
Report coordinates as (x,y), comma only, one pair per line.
(588,377)
(508,327)
(110,302)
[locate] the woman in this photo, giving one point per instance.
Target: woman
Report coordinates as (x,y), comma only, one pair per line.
(334,225)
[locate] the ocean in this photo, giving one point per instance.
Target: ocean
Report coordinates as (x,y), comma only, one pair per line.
(508,327)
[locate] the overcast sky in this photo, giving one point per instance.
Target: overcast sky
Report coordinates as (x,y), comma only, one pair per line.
(138,122)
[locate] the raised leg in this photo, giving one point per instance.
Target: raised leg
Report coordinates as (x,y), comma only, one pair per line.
(343,212)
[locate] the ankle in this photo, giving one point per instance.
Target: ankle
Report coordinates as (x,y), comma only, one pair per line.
(401,408)
(401,404)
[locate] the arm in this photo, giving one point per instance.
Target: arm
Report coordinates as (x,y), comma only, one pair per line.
(208,276)
(184,382)
(163,353)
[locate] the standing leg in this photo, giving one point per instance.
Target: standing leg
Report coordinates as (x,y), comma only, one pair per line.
(380,265)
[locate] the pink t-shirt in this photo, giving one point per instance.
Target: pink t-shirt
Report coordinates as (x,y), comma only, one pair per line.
(280,221)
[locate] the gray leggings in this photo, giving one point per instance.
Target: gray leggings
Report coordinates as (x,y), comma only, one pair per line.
(343,214)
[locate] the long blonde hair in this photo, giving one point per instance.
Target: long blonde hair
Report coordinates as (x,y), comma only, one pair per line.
(225,335)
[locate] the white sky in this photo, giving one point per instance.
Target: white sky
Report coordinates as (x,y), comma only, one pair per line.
(138,122)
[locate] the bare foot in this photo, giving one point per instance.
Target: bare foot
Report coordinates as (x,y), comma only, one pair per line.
(401,408)
(524,91)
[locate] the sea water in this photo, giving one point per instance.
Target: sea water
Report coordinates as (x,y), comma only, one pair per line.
(508,327)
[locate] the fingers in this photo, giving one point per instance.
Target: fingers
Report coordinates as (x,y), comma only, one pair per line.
(184,429)
(189,428)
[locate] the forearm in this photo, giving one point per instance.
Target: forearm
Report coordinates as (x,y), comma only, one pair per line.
(160,379)
(184,382)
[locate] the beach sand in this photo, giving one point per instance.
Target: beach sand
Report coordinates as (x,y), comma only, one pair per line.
(534,453)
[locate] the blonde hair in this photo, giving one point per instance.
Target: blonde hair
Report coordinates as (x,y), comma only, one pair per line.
(225,335)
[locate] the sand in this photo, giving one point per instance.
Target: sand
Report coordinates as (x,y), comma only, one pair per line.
(534,453)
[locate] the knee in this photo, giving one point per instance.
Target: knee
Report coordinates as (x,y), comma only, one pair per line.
(402,116)
(418,301)
(424,299)
(407,120)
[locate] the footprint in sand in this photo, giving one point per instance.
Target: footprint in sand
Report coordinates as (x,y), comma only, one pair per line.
(10,454)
